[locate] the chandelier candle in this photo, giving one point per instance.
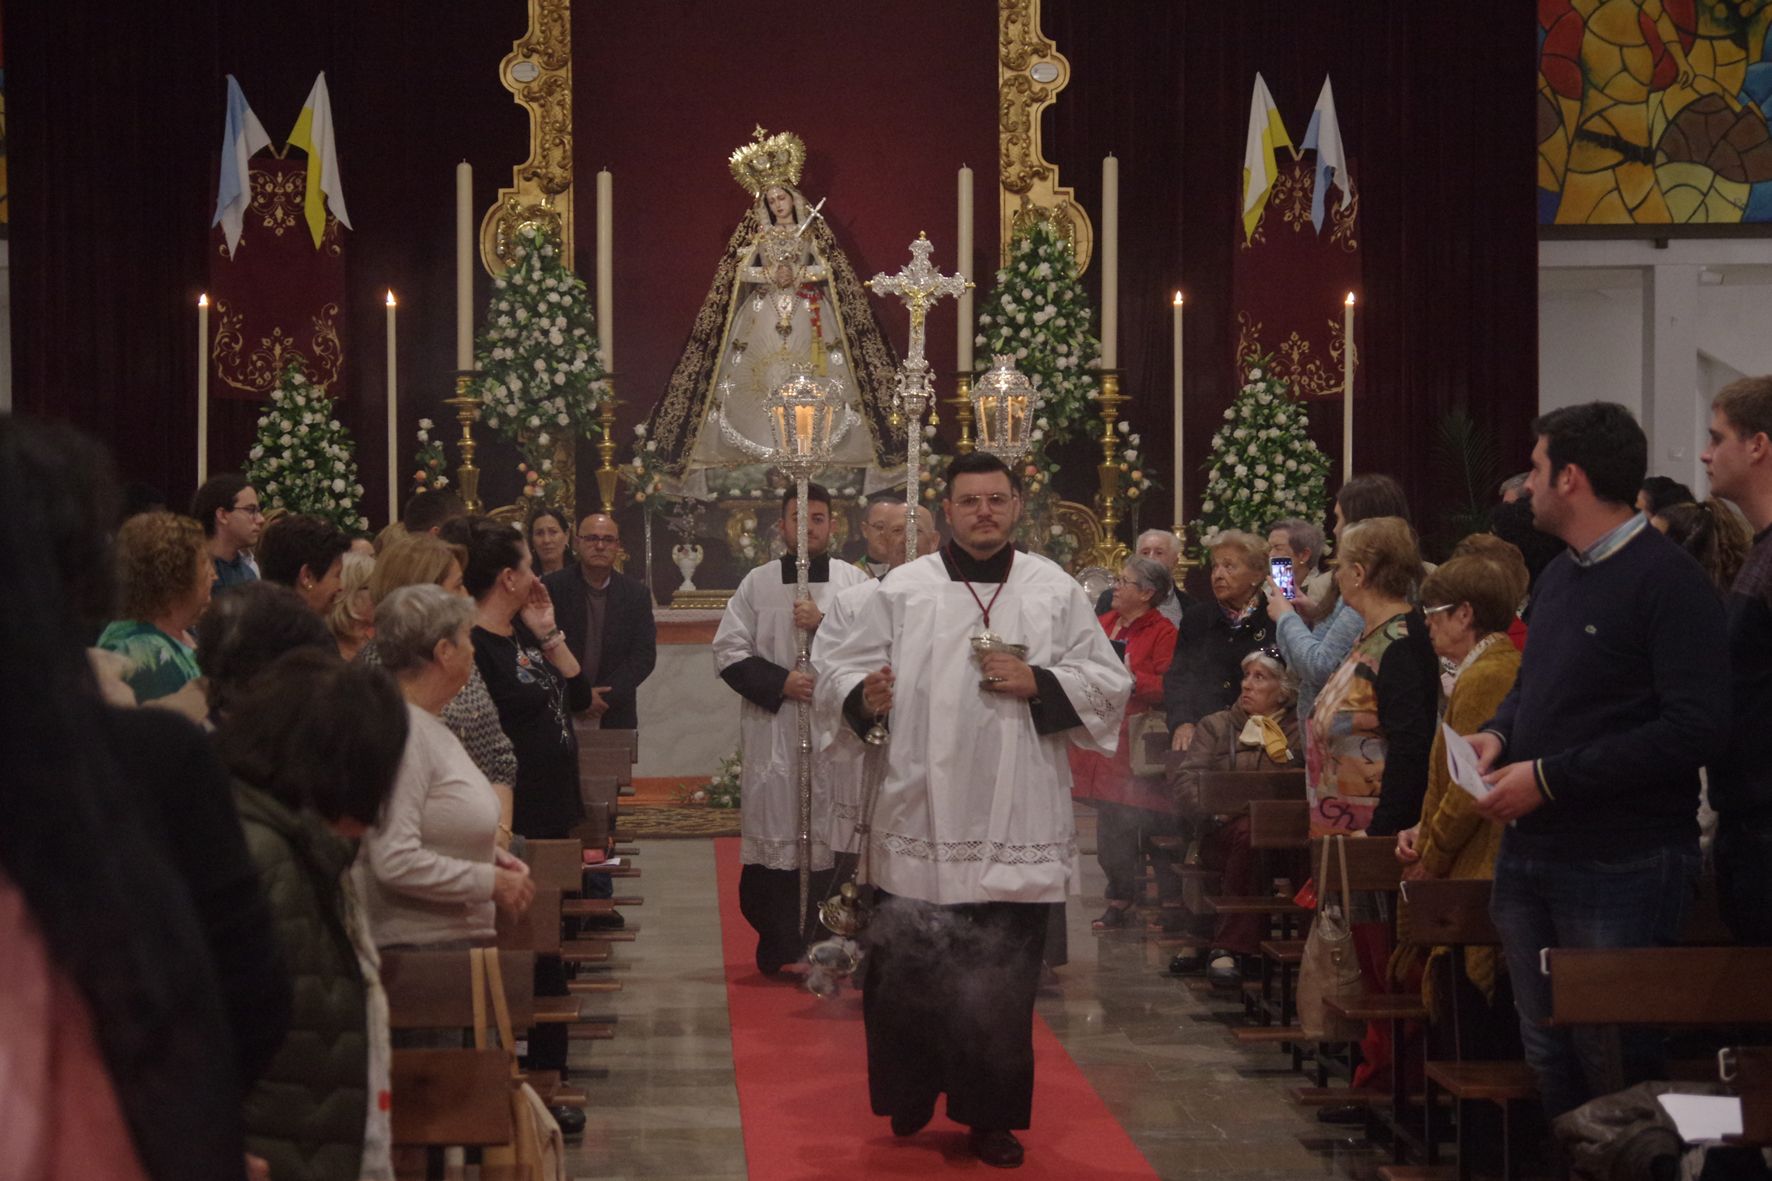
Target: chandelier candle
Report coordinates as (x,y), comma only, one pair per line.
(1179,507)
(464,275)
(202,388)
(1347,389)
(963,264)
(606,268)
(1110,263)
(393,419)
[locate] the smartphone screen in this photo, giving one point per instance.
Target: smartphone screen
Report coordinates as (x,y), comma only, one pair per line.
(1282,569)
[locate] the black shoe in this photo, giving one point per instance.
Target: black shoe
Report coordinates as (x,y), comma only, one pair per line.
(999,1150)
(1342,1113)
(1187,961)
(1223,969)
(570,1119)
(910,1123)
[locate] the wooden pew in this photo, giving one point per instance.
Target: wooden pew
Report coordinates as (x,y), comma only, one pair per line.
(451,1098)
(1748,1069)
(1687,987)
(1372,867)
(1445,912)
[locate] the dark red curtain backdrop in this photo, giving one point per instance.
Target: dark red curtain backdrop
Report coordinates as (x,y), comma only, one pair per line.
(116,118)
(891,100)
(1435,103)
(116,121)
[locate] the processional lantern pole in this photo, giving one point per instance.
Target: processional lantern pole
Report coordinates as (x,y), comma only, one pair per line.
(808,418)
(919,284)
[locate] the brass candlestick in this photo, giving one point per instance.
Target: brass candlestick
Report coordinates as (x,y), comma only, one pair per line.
(467,412)
(962,404)
(607,476)
(1110,551)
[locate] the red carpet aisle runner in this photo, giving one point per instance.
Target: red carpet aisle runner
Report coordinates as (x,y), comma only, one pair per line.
(803,1091)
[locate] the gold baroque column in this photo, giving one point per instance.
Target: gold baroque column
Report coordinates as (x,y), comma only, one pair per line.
(1030,73)
(538,73)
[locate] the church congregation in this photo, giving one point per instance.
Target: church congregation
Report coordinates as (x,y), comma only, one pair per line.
(1152,589)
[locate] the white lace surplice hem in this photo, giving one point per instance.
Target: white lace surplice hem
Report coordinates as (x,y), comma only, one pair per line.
(779,854)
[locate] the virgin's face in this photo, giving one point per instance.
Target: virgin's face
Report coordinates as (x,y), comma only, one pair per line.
(781,206)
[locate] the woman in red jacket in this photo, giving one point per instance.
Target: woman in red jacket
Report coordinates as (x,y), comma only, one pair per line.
(1128,809)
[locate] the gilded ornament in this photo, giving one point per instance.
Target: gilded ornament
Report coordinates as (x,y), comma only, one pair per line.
(255,370)
(768,161)
(538,73)
(1030,73)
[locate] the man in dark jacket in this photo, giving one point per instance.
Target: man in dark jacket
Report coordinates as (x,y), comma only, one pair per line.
(607,618)
(1593,757)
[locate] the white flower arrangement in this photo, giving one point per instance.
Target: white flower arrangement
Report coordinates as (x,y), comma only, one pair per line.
(429,464)
(537,352)
(303,458)
(1265,433)
(1040,313)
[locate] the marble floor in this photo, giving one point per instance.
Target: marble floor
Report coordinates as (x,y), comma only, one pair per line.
(664,1103)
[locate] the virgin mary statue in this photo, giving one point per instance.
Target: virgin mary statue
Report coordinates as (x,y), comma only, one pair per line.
(784,297)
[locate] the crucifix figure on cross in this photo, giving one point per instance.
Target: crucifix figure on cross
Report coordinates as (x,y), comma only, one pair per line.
(919,284)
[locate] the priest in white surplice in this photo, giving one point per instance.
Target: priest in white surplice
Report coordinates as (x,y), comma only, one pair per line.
(754,654)
(829,731)
(973,831)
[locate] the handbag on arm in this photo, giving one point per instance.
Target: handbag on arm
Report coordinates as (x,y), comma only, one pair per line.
(1330,969)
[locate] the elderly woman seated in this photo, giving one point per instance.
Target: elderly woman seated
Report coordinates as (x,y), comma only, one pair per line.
(1214,637)
(1129,809)
(1258,733)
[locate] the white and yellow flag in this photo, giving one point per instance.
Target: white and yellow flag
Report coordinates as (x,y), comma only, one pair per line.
(1267,135)
(313,135)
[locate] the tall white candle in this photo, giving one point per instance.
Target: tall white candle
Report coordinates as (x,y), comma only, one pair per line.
(1180,507)
(963,239)
(1347,389)
(1110,263)
(464,265)
(202,387)
(606,267)
(393,420)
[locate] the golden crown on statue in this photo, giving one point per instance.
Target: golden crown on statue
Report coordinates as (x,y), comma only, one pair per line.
(768,161)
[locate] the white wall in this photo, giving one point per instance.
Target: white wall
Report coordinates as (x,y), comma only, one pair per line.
(1660,330)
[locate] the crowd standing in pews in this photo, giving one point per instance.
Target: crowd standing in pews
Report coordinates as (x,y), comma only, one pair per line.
(366,715)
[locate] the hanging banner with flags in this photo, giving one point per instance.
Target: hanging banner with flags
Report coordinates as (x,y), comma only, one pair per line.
(1298,254)
(313,135)
(1267,134)
(276,286)
(242,135)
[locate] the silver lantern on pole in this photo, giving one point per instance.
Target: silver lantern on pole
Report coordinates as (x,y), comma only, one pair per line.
(1004,403)
(808,417)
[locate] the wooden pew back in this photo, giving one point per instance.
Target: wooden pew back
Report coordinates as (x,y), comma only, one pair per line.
(1448,912)
(539,928)
(556,865)
(435,989)
(450,1097)
(1371,865)
(1230,793)
(1679,986)
(1279,824)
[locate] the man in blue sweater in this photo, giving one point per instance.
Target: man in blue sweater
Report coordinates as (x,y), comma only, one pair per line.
(1739,460)
(1593,757)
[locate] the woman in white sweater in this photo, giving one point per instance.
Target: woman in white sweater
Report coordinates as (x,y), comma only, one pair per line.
(431,874)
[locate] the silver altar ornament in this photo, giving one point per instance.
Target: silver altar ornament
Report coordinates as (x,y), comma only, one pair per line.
(1004,403)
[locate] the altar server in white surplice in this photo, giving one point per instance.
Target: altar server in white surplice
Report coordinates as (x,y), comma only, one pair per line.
(754,654)
(829,731)
(972,833)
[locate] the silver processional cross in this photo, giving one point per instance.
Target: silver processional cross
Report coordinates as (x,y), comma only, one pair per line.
(919,285)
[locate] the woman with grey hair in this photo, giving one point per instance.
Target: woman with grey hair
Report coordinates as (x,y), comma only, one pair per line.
(1214,637)
(432,874)
(1129,810)
(1258,733)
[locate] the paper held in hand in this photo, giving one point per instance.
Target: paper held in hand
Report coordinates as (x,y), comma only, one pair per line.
(1461,761)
